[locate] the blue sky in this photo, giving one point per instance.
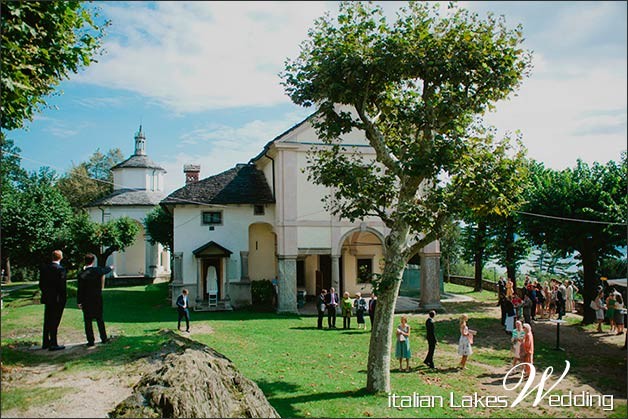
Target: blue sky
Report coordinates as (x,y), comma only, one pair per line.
(201,77)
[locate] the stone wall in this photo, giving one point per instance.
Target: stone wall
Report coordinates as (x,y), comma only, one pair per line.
(470,282)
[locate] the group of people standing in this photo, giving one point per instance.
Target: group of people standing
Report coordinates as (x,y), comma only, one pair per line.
(610,308)
(534,300)
(403,350)
(53,286)
(329,302)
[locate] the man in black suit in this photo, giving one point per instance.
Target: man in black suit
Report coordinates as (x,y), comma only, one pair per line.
(332,303)
(183,308)
(431,339)
(320,307)
(91,282)
(52,283)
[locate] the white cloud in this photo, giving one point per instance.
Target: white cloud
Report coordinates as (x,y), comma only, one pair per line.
(566,119)
(196,56)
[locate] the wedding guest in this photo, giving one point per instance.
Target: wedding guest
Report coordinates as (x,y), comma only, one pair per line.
(510,315)
(346,306)
(610,309)
(431,339)
(332,304)
(517,341)
(320,307)
(510,288)
(52,283)
(619,315)
(527,309)
(360,309)
(183,310)
(402,350)
(527,348)
(598,306)
(572,290)
(372,305)
(465,341)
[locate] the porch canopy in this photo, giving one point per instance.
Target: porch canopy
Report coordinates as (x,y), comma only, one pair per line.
(212,249)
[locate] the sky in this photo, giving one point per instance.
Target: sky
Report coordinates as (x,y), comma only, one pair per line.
(202,79)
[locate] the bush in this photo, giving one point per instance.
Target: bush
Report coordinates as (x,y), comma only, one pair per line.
(262,293)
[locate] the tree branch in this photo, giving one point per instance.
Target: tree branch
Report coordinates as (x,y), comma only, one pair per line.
(376,140)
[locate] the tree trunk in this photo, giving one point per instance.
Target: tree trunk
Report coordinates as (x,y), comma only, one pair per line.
(511,263)
(378,370)
(479,254)
(589,262)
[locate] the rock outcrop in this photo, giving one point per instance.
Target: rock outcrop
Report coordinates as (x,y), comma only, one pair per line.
(194,381)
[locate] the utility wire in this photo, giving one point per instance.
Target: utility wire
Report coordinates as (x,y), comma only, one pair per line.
(189,201)
(570,219)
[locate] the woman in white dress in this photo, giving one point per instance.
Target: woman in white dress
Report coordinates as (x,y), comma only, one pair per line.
(465,342)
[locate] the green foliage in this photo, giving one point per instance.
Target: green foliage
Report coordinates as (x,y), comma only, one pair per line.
(595,193)
(159,225)
(262,293)
(416,88)
(43,42)
(100,239)
(90,180)
(34,215)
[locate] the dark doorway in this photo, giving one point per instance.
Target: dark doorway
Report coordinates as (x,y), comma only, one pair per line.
(300,273)
(324,267)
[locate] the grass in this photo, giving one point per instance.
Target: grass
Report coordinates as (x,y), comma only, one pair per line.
(303,371)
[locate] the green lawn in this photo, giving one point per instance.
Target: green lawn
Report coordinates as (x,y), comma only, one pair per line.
(302,370)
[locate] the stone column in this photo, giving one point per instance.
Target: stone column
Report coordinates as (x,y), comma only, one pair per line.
(287,285)
(430,277)
(151,258)
(244,264)
(335,273)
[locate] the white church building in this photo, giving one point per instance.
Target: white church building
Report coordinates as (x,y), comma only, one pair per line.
(265,220)
(138,188)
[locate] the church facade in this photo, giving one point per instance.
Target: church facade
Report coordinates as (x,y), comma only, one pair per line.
(138,188)
(265,220)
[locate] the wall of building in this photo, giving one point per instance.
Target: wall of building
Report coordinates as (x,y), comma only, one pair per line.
(262,257)
(233,235)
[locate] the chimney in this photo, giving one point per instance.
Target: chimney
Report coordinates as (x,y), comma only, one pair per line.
(192,172)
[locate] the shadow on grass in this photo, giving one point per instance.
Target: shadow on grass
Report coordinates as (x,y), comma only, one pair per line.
(121,350)
(289,406)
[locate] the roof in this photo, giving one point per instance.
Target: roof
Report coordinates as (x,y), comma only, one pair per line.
(243,184)
(214,246)
(138,161)
(130,197)
(267,146)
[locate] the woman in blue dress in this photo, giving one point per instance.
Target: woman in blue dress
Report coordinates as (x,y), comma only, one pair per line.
(402,350)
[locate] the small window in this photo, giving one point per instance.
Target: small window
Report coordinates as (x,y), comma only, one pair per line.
(258,210)
(365,270)
(212,217)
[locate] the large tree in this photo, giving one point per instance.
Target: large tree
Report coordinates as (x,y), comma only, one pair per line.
(159,225)
(34,215)
(100,239)
(581,209)
(90,180)
(416,88)
(43,42)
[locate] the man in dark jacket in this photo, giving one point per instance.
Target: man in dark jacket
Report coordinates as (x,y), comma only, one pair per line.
(183,309)
(431,339)
(91,281)
(52,283)
(320,307)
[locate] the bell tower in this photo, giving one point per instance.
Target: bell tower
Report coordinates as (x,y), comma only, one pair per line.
(140,143)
